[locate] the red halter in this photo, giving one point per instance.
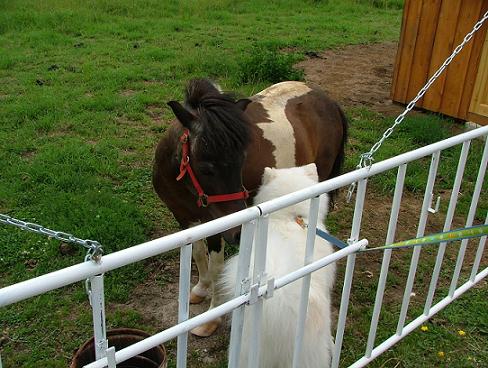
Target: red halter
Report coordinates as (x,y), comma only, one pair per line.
(203,199)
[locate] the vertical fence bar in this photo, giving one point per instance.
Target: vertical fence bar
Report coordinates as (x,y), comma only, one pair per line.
(183,303)
(351,259)
(420,232)
(479,254)
(470,219)
(447,225)
(97,302)
(1,361)
(390,237)
(302,313)
(257,278)
(241,287)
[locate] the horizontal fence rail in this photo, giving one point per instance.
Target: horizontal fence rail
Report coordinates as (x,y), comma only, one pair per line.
(39,285)
(254,220)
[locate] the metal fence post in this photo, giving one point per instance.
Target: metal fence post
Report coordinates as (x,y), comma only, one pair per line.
(241,287)
(183,303)
(97,301)
(258,276)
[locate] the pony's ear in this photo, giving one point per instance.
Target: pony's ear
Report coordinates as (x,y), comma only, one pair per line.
(311,171)
(268,175)
(242,103)
(183,115)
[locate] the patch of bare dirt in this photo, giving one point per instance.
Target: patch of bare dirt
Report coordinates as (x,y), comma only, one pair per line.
(157,301)
(358,75)
(126,121)
(128,93)
(60,131)
(153,83)
(27,155)
(156,112)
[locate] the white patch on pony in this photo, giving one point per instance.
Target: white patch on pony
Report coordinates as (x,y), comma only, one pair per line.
(201,259)
(199,253)
(279,130)
(285,253)
(215,266)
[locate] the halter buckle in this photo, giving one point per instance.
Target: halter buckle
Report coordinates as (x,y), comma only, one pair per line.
(184,138)
(203,200)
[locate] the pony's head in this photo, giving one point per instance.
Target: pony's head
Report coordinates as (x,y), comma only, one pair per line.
(219,135)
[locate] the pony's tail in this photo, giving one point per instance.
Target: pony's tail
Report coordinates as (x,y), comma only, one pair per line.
(339,161)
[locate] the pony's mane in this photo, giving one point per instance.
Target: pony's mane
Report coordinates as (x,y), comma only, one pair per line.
(222,124)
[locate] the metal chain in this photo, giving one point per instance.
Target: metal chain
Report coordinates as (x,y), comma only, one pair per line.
(366,159)
(94,249)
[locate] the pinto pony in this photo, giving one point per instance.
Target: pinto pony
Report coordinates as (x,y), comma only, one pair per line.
(210,161)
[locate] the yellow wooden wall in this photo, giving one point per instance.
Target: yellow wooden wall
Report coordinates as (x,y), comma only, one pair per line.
(431,29)
(478,110)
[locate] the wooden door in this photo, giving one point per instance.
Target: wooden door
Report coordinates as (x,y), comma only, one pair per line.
(478,110)
(431,29)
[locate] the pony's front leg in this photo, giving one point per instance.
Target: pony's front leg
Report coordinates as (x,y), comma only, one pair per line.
(215,266)
(200,290)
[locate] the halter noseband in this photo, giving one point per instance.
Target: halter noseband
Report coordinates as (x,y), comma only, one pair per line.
(203,199)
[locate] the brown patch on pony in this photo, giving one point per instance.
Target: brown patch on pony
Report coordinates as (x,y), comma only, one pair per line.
(328,157)
(262,150)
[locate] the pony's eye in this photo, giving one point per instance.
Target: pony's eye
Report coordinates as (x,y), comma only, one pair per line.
(207,171)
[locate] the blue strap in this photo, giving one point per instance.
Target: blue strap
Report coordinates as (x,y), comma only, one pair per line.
(324,235)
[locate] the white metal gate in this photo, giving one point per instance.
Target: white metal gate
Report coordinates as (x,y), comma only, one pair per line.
(254,221)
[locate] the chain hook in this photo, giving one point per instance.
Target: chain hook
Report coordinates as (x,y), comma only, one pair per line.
(94,252)
(366,160)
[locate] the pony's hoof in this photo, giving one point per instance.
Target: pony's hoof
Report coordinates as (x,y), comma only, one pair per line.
(195,298)
(207,329)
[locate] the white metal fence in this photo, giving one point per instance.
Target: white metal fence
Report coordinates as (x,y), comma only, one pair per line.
(254,221)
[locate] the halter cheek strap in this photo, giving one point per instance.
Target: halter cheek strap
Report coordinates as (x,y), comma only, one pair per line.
(203,199)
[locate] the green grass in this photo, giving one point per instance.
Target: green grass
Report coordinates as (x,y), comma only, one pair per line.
(83,87)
